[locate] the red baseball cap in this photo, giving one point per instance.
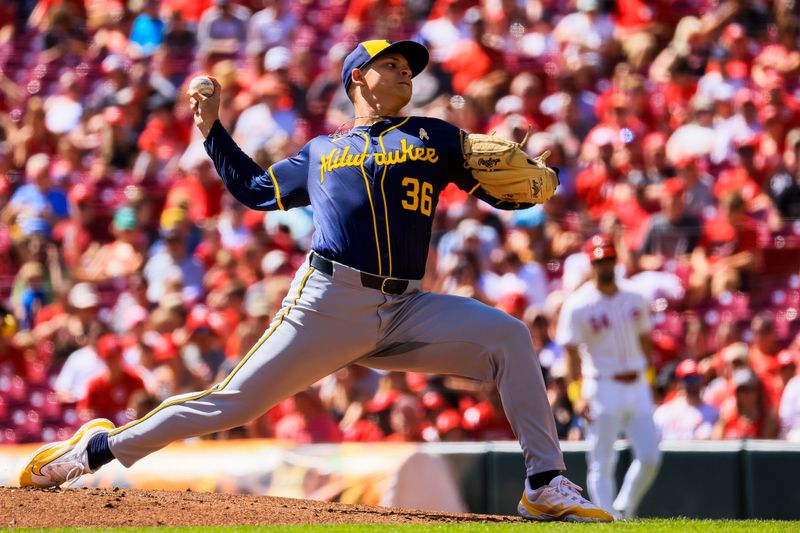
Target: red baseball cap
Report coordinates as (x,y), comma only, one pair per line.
(512,302)
(687,367)
(108,346)
(600,247)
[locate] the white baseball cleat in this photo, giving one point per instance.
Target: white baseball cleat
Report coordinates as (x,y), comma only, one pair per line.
(64,461)
(559,500)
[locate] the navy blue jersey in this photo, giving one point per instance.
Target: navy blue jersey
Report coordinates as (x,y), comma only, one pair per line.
(373,189)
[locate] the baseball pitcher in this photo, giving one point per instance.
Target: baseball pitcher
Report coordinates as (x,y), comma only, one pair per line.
(605,330)
(357,299)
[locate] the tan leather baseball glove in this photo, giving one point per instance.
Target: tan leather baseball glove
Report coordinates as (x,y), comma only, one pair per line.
(506,172)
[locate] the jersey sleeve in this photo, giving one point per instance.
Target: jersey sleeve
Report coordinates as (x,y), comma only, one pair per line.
(248,182)
(567,330)
(290,178)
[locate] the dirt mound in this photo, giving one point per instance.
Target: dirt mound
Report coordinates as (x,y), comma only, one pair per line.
(129,507)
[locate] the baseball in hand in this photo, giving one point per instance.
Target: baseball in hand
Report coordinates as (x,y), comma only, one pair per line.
(202,85)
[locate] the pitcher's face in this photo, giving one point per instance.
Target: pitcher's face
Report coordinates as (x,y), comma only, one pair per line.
(388,80)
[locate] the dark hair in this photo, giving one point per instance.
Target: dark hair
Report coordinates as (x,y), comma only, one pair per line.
(762,323)
(734,201)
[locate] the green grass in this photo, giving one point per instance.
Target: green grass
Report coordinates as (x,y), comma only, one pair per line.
(634,526)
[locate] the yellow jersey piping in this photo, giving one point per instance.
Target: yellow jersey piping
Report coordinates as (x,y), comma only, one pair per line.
(383,194)
(371,204)
(277,189)
(221,386)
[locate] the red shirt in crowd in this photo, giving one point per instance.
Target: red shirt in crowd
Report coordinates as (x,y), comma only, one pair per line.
(13,358)
(363,431)
(469,62)
(74,238)
(594,186)
(362,10)
(738,427)
(305,430)
(633,15)
(107,399)
(164,137)
(204,202)
(767,368)
(763,363)
(721,239)
(7,14)
(190,10)
(737,179)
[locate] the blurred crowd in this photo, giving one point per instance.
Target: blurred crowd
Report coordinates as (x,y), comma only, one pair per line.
(129,274)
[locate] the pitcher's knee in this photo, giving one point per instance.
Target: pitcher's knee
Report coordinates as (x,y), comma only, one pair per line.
(513,332)
(229,416)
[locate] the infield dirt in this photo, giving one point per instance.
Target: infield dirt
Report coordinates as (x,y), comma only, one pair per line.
(87,507)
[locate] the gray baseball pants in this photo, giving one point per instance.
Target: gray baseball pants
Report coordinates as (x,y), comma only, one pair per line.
(329,322)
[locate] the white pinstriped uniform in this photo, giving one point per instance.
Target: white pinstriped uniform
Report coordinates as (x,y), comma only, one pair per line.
(606,329)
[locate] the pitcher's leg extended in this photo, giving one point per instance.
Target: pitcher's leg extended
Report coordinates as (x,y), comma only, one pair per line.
(283,363)
(303,344)
(445,334)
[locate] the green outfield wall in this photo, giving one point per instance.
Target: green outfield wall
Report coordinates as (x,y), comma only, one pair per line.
(721,479)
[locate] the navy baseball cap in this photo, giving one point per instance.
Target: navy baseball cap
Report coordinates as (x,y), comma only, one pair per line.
(415,54)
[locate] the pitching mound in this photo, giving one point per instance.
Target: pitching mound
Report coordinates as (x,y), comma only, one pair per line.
(129,507)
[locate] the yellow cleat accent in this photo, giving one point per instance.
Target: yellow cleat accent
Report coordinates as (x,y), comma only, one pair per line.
(32,476)
(560,501)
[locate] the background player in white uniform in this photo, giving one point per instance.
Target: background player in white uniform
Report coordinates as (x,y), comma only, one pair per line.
(605,330)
